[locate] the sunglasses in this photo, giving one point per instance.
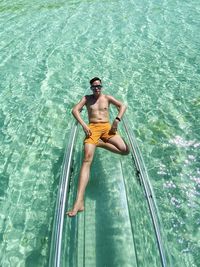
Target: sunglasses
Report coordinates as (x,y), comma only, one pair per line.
(96,87)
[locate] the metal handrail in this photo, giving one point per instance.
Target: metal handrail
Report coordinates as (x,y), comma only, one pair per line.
(55,250)
(141,170)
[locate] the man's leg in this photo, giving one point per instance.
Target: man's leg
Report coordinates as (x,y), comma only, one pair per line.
(89,150)
(115,144)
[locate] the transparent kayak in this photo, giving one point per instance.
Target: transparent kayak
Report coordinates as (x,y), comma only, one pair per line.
(120,224)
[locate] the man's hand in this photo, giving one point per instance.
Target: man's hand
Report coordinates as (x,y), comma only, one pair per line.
(87,131)
(114,126)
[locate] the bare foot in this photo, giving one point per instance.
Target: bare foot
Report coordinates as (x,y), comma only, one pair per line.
(78,206)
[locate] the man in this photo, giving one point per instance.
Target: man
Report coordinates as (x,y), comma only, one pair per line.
(99,133)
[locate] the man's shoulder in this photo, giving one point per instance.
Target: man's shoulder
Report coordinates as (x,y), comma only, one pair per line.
(109,97)
(87,97)
(106,97)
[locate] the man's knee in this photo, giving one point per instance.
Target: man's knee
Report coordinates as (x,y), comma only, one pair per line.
(88,157)
(125,150)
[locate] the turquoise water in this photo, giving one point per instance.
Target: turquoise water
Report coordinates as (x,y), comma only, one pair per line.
(147,53)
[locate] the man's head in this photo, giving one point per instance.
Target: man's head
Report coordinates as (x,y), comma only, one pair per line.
(96,86)
(94,79)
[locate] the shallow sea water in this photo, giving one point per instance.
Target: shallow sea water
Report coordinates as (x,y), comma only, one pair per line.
(147,54)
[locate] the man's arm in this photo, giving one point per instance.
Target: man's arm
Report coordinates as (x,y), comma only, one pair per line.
(76,113)
(121,109)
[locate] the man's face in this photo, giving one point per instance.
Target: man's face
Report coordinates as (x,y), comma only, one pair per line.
(96,87)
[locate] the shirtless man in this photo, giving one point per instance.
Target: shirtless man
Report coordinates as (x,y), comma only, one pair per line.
(99,133)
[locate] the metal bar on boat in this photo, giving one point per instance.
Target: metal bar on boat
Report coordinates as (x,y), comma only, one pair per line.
(56,241)
(141,170)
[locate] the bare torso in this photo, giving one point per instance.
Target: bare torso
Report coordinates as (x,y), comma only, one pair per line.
(97,108)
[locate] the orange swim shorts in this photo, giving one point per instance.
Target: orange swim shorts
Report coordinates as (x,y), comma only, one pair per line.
(100,130)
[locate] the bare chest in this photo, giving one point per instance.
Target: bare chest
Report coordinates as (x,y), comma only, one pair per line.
(100,104)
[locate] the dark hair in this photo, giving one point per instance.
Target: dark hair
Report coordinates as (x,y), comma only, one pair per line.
(94,79)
